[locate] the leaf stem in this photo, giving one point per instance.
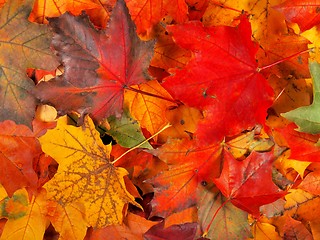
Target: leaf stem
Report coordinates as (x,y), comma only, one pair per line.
(282,60)
(131,149)
(214,216)
(152,95)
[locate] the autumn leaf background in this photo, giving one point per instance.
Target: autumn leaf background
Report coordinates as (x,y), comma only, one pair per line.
(157,119)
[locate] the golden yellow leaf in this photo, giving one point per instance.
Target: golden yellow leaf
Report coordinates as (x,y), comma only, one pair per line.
(68,221)
(264,231)
(85,174)
(30,226)
(248,142)
(148,110)
(302,205)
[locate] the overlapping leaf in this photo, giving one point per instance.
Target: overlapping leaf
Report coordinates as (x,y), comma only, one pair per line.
(230,222)
(308,117)
(303,12)
(31,222)
(248,183)
(189,167)
(85,174)
(18,149)
(303,146)
(54,8)
(227,85)
(22,45)
(96,72)
(147,13)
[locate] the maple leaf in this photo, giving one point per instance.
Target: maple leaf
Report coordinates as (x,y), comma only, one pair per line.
(303,12)
(227,85)
(96,72)
(18,149)
(308,118)
(30,222)
(22,45)
(147,13)
(85,174)
(54,8)
(189,168)
(303,146)
(248,183)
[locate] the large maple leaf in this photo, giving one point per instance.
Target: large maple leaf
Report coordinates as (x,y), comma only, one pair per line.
(85,174)
(22,45)
(248,184)
(221,79)
(99,65)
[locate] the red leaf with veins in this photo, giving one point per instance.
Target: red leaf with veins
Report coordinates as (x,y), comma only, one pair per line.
(222,79)
(99,65)
(303,146)
(18,149)
(189,167)
(303,12)
(248,184)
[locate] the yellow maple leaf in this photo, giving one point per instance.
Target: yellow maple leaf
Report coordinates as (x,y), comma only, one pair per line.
(85,174)
(26,220)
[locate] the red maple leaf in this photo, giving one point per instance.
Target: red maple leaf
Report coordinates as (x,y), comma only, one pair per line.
(303,12)
(248,184)
(99,65)
(222,79)
(189,167)
(303,146)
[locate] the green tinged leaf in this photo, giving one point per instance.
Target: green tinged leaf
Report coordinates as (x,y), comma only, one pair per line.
(126,131)
(308,117)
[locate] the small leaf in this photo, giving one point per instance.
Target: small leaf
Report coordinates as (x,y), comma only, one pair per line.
(308,117)
(85,173)
(126,131)
(229,223)
(32,225)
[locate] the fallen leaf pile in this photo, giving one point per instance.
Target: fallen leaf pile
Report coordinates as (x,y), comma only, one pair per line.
(140,119)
